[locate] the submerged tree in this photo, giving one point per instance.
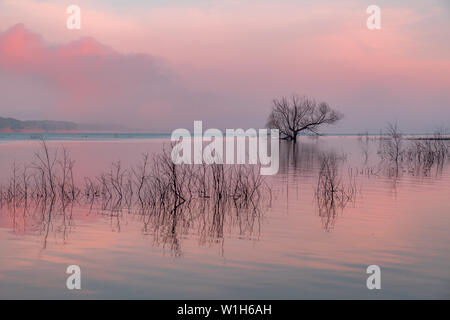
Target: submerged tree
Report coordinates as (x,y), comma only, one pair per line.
(393,145)
(300,114)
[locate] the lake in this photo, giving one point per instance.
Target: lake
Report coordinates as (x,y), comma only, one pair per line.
(298,241)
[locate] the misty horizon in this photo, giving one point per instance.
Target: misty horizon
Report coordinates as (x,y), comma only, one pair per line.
(117,128)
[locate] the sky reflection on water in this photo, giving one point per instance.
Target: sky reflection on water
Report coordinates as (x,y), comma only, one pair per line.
(291,249)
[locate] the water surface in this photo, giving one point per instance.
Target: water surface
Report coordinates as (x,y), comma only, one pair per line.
(294,248)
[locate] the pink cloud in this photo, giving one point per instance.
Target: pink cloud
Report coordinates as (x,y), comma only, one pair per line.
(91,82)
(20,49)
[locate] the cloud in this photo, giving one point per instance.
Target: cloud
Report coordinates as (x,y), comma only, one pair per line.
(90,82)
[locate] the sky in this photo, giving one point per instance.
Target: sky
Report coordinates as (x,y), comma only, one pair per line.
(158,65)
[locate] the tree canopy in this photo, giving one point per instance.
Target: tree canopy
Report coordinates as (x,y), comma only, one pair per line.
(292,116)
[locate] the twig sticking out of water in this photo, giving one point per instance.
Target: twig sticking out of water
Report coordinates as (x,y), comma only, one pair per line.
(332,192)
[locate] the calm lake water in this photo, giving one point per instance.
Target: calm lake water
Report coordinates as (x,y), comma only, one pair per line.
(295,247)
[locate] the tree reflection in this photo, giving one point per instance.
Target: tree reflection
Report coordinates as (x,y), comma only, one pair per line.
(170,200)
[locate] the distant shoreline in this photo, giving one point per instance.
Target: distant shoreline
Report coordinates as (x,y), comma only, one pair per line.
(108,136)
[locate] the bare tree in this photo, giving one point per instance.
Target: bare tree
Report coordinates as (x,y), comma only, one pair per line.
(300,114)
(393,146)
(45,164)
(333,192)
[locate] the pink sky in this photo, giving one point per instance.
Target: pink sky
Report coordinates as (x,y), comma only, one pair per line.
(159,66)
